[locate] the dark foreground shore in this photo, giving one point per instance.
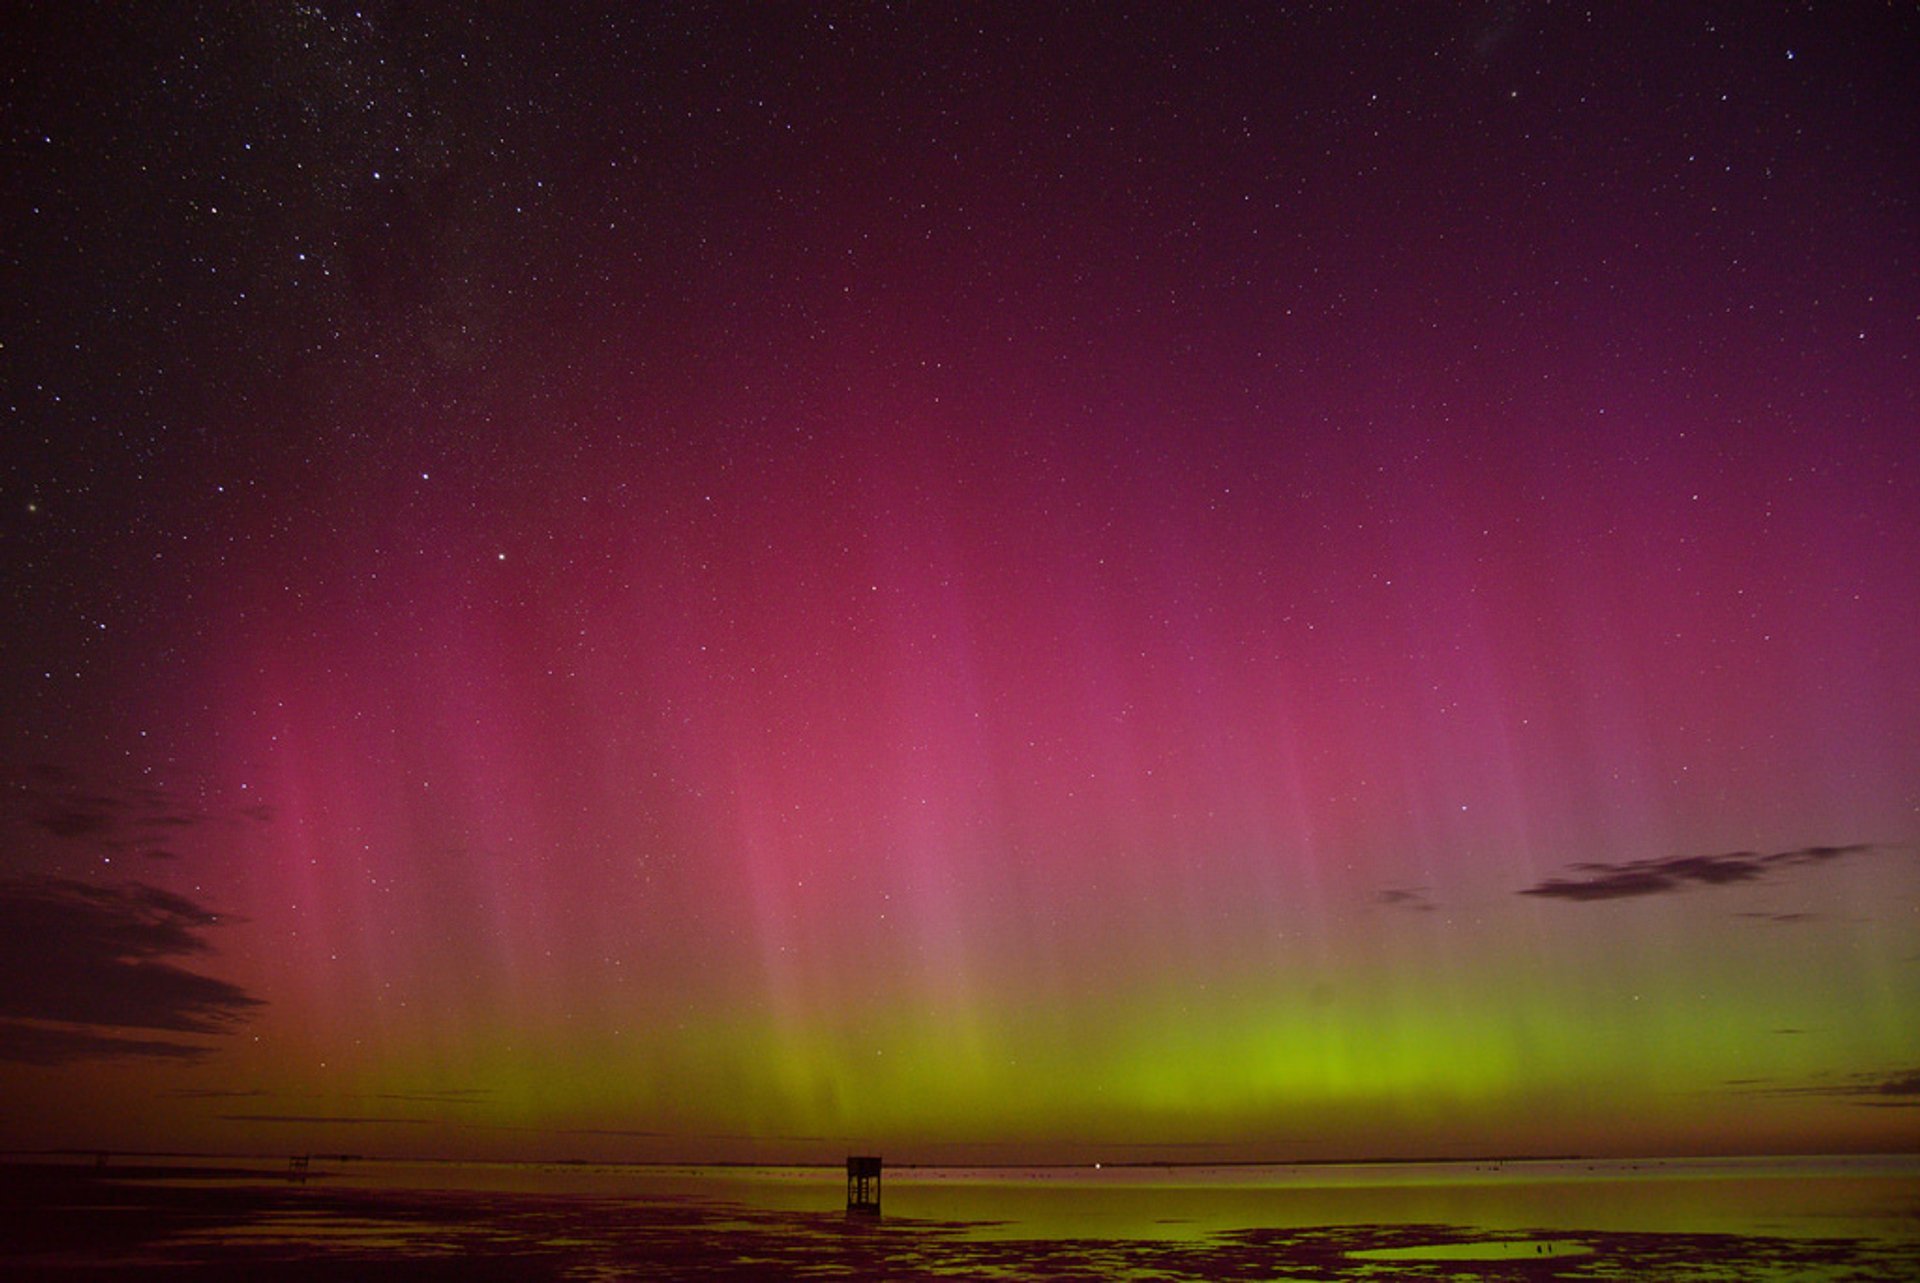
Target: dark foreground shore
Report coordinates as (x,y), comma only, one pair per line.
(73,1223)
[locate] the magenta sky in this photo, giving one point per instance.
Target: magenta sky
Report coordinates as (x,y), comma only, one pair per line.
(722,586)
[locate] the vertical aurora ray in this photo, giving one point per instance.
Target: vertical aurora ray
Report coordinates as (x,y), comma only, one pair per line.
(955,838)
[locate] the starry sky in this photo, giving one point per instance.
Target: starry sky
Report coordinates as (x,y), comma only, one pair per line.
(996,582)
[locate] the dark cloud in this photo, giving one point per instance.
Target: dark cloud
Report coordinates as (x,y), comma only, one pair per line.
(1897,1089)
(31,1044)
(1603,881)
(83,955)
(1816,854)
(1414,899)
(1903,1084)
(70,820)
(1781,917)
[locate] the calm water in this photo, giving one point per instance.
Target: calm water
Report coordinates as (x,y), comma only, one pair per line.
(1800,1197)
(1807,1218)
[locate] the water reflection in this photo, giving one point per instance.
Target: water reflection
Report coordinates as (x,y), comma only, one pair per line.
(1684,1222)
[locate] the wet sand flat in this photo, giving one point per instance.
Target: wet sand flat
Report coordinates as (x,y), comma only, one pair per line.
(73,1223)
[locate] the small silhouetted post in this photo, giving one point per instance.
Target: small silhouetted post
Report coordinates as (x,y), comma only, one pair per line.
(863,1184)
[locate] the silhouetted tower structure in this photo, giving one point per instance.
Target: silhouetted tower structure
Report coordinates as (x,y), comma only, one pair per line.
(863,1184)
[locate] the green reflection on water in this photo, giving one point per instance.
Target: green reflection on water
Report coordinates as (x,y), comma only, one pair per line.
(1493,1250)
(1402,1221)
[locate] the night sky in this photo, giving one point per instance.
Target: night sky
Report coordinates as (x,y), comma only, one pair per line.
(1094,582)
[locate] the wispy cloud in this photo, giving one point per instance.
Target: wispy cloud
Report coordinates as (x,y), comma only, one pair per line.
(1896,1089)
(1903,1087)
(1412,899)
(1605,881)
(443,1096)
(111,818)
(373,1120)
(450,1096)
(26,1043)
(336,1119)
(100,958)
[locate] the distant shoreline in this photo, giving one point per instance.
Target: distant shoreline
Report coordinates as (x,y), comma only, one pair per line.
(119,1162)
